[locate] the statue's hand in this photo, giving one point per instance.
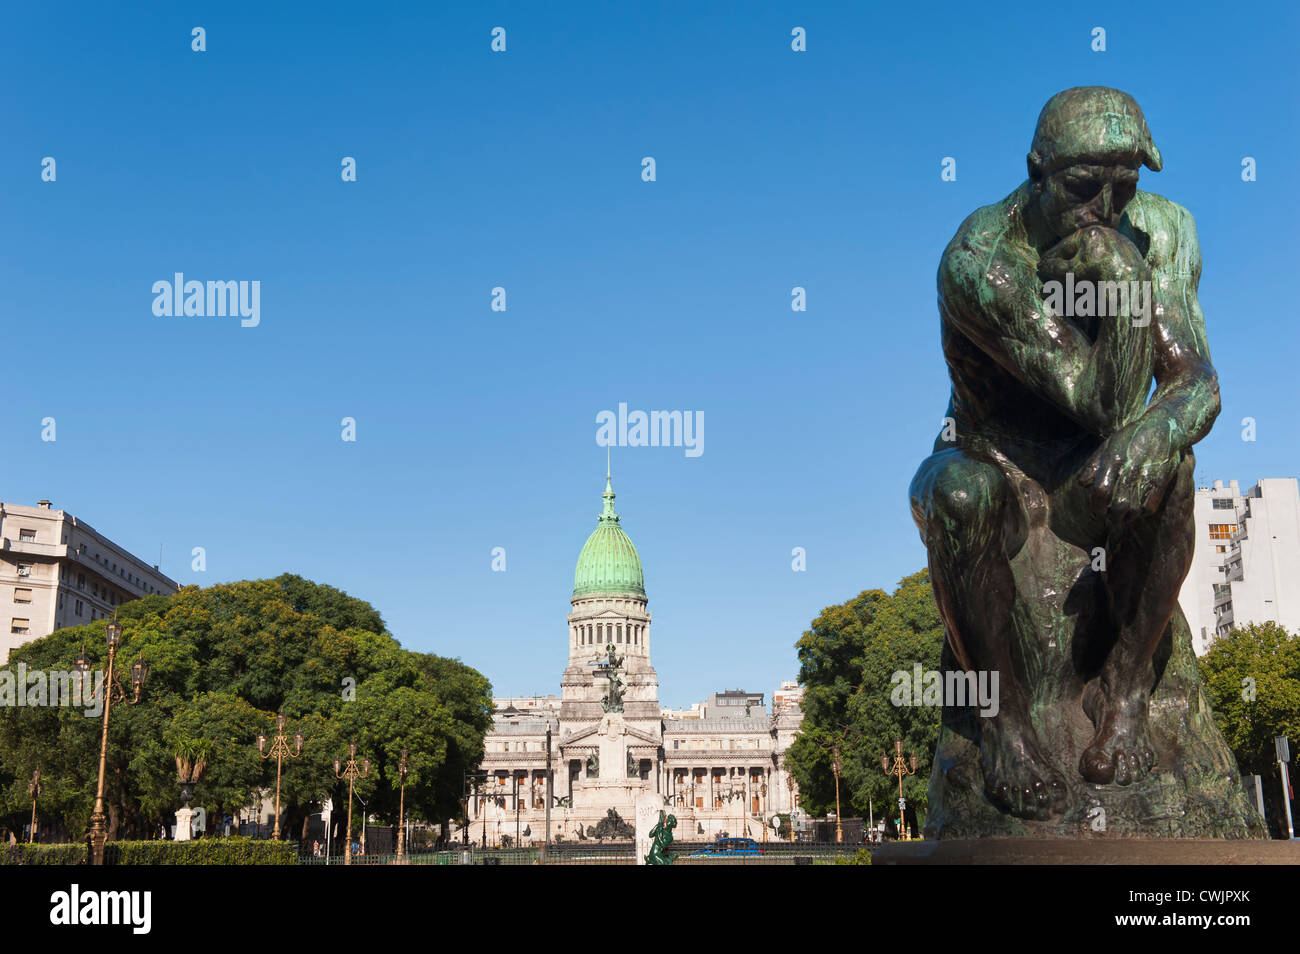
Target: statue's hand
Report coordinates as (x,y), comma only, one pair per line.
(1094,253)
(1130,468)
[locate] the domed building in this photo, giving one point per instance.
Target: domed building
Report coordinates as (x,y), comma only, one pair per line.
(718,766)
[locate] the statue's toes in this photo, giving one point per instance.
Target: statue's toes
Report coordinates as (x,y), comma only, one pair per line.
(1097,767)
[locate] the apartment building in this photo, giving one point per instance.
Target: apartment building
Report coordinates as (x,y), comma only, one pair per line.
(58,571)
(1246,568)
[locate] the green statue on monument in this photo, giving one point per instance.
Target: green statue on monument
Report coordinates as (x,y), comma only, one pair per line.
(661,836)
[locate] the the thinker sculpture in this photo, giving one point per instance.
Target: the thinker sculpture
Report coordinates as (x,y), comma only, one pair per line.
(1057,506)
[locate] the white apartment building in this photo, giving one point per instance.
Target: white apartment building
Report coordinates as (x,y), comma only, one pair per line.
(1246,568)
(57,571)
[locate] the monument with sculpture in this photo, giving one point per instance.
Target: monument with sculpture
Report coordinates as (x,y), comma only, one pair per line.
(1056,508)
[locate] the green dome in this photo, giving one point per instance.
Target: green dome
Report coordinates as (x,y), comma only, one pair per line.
(608,563)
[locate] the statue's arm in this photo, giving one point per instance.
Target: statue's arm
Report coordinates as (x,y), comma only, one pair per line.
(1186,399)
(990,292)
(1133,464)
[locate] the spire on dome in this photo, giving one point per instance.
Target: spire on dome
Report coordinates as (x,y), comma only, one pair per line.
(608,514)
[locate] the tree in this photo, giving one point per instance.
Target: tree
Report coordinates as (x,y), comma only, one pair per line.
(223,661)
(848,659)
(1252,681)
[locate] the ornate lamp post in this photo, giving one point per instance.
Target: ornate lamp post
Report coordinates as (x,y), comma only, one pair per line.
(900,767)
(789,784)
(401,806)
(279,749)
(351,773)
(112,688)
(34,789)
(836,767)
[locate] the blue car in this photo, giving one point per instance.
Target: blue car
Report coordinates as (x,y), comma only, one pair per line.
(730,848)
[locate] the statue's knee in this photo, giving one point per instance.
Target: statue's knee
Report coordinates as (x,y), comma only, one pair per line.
(960,500)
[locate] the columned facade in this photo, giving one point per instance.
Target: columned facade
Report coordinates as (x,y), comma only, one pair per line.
(610,743)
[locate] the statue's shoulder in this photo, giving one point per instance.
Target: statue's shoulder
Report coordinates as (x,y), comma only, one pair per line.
(994,230)
(993,224)
(1165,231)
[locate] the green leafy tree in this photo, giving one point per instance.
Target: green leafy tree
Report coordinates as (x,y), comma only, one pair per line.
(223,661)
(1252,681)
(848,659)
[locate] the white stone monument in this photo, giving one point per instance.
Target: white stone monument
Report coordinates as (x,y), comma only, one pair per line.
(648,807)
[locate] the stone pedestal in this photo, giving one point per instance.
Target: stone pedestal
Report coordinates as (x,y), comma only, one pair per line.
(1089,851)
(184,823)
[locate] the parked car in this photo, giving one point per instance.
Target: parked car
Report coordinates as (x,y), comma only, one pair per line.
(729,848)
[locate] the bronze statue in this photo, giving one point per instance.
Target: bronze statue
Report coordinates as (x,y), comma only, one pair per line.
(1057,505)
(612,701)
(661,836)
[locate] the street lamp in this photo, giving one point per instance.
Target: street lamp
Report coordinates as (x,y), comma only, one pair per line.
(401,806)
(351,773)
(279,749)
(34,789)
(837,766)
(900,767)
(789,784)
(112,688)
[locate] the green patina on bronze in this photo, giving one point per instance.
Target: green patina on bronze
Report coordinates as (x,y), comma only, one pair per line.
(661,836)
(1057,505)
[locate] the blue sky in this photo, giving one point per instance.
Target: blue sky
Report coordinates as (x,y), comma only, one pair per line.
(476,429)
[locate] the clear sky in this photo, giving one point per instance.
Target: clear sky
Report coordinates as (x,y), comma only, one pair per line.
(476,429)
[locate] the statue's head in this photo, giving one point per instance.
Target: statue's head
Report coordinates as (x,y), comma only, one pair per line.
(1083,164)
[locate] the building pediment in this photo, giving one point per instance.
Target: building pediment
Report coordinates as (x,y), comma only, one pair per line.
(589,735)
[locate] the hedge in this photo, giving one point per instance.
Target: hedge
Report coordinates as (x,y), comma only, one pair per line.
(203,851)
(23,854)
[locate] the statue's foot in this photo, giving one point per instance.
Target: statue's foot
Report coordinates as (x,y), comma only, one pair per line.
(1121,751)
(1016,776)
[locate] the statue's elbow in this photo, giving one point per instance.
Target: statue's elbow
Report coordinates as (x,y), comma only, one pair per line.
(1213,402)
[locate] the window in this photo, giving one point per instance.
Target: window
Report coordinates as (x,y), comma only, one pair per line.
(26,536)
(22,594)
(1220,549)
(1222,503)
(81,581)
(78,609)
(21,627)
(1222,531)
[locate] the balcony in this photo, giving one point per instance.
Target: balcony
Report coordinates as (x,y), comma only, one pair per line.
(49,551)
